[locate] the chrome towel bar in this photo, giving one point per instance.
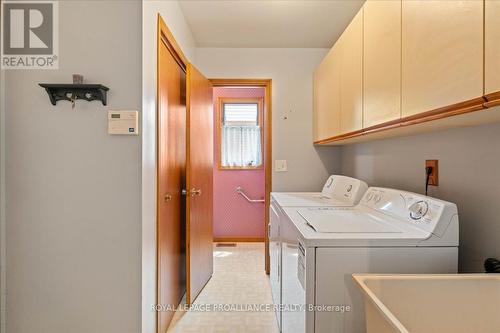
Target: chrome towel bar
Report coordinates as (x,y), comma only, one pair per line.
(240,191)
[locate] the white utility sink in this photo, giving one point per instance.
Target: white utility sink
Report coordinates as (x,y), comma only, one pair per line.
(448,303)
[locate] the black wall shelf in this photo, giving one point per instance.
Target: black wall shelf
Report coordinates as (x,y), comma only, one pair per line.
(71,92)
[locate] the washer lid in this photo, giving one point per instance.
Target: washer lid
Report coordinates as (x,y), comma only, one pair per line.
(345,221)
(307,199)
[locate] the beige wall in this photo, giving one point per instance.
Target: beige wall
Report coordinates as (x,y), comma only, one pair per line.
(469,175)
(73,217)
(291,71)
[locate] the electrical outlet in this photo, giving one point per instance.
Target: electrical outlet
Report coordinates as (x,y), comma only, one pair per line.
(433,178)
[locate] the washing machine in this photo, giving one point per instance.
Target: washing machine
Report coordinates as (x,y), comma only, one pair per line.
(338,191)
(389,231)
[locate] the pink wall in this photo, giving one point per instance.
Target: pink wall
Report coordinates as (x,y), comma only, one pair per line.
(233,215)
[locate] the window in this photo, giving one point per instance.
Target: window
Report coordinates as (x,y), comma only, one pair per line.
(240,139)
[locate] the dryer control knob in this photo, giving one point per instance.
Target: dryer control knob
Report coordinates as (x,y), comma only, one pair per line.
(418,210)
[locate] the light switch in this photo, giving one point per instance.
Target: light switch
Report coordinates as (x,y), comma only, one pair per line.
(280,166)
(123,122)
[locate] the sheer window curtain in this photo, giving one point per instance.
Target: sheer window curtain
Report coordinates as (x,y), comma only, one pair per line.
(241,146)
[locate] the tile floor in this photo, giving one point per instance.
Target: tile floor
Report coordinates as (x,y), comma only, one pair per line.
(238,279)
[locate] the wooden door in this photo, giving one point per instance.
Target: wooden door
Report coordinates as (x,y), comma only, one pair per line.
(171,155)
(327,96)
(381,62)
(351,76)
(442,54)
(199,185)
(492,46)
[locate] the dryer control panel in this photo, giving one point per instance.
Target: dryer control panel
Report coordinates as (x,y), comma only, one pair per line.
(344,188)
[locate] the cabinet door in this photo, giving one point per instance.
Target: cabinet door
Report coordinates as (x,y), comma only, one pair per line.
(351,76)
(492,46)
(442,50)
(382,62)
(327,97)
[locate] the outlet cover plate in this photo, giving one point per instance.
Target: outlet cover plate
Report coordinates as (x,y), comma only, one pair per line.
(434,177)
(280,166)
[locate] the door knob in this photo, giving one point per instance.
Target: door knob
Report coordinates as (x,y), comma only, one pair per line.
(192,192)
(167,197)
(195,192)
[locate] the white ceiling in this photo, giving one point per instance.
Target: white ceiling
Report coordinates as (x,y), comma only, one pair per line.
(268,23)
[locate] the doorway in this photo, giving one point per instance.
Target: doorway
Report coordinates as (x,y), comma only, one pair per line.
(185,170)
(242,161)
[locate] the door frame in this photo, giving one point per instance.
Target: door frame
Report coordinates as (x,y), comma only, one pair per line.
(267,85)
(164,36)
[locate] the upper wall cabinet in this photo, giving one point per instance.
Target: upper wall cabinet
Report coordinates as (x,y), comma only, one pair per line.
(351,76)
(401,63)
(382,62)
(442,53)
(327,96)
(492,46)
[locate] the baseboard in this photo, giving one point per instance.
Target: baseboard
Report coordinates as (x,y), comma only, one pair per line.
(238,239)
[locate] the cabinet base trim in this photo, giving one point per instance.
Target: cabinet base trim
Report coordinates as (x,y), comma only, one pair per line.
(472,105)
(492,99)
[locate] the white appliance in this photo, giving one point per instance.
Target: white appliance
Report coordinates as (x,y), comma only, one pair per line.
(338,191)
(389,231)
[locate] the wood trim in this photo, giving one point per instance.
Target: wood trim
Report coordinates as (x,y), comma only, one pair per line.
(492,99)
(218,82)
(447,111)
(492,103)
(166,36)
(239,239)
(344,136)
(385,125)
(220,102)
(268,176)
(473,105)
(267,84)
